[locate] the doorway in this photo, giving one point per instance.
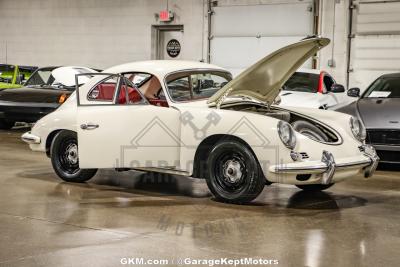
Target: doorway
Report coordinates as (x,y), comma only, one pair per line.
(167,42)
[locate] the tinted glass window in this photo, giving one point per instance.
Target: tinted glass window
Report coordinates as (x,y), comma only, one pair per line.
(302,82)
(41,77)
(186,86)
(328,82)
(386,87)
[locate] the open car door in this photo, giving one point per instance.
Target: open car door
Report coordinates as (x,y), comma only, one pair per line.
(118,128)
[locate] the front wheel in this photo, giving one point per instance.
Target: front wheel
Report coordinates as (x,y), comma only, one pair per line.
(64,158)
(233,173)
(314,187)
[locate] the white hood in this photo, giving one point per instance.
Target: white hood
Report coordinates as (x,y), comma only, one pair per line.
(301,99)
(66,75)
(263,80)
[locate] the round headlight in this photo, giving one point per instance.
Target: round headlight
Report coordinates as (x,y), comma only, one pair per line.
(287,134)
(358,129)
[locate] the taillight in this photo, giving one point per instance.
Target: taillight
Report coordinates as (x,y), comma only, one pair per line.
(62,98)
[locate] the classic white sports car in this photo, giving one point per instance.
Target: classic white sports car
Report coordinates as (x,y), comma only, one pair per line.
(190,118)
(313,89)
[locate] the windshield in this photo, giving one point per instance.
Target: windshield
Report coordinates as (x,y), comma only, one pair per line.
(187,86)
(384,87)
(302,82)
(41,77)
(57,78)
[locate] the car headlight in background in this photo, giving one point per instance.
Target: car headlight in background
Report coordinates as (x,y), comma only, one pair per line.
(358,129)
(287,134)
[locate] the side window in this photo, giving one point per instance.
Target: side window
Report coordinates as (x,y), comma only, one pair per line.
(205,84)
(180,89)
(129,94)
(328,82)
(105,90)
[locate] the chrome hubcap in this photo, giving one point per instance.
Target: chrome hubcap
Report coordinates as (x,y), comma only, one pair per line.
(72,154)
(232,171)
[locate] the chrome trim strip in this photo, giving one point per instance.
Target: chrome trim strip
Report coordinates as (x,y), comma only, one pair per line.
(322,167)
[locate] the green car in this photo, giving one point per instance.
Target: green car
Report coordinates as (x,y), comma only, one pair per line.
(13,76)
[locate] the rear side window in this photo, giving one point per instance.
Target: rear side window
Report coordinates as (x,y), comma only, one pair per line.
(180,89)
(195,85)
(302,82)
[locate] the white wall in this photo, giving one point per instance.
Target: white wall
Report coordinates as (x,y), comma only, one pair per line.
(334,25)
(96,33)
(102,33)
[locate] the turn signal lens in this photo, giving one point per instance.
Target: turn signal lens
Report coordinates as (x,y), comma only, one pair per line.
(62,98)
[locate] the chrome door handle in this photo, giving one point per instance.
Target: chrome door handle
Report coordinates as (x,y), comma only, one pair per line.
(89,126)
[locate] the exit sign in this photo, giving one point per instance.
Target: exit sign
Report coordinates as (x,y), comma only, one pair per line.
(166,15)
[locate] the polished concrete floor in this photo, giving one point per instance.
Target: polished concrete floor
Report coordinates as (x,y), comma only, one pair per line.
(47,222)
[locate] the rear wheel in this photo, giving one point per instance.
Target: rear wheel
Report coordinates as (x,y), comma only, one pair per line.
(6,125)
(233,173)
(64,158)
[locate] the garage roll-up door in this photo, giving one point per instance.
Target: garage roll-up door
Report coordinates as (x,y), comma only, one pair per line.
(242,32)
(375,48)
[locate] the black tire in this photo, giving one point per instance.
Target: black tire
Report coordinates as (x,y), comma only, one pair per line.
(314,187)
(226,162)
(64,158)
(310,130)
(6,125)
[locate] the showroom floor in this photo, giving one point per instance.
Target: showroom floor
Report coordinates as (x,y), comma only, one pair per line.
(46,222)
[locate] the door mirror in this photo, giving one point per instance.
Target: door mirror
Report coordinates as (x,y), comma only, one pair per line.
(337,88)
(354,92)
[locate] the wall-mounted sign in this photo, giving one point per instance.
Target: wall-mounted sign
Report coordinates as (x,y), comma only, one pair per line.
(173,48)
(166,15)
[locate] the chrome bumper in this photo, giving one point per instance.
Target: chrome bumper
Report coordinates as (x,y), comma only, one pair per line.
(370,152)
(327,167)
(30,138)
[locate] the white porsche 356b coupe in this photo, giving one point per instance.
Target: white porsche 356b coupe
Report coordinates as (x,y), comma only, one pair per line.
(192,119)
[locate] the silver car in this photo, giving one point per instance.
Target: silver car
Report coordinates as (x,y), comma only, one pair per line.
(379,108)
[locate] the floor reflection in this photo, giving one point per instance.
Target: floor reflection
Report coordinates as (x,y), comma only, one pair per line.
(322,200)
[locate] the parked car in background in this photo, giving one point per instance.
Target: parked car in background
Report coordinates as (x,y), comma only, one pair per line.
(45,91)
(190,118)
(312,89)
(379,108)
(14,76)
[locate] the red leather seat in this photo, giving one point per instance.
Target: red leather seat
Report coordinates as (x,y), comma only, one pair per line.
(106,91)
(133,95)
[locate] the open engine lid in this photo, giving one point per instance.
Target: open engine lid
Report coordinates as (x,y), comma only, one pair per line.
(263,80)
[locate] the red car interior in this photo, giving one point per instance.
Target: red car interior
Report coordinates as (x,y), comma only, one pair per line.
(107,90)
(321,82)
